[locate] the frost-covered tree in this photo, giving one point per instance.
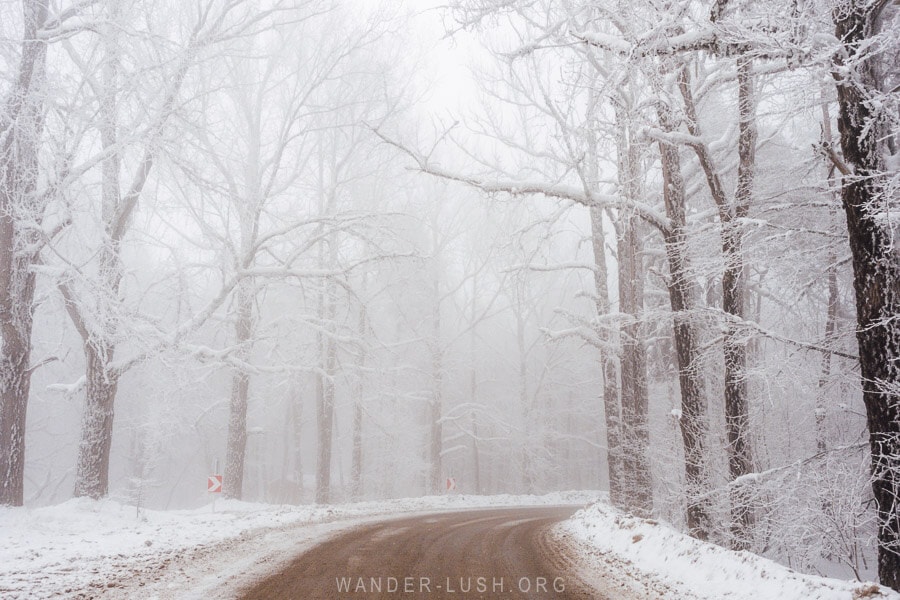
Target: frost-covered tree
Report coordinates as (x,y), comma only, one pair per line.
(26,193)
(865,71)
(21,229)
(119,83)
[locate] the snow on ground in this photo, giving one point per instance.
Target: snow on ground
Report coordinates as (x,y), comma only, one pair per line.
(650,559)
(86,549)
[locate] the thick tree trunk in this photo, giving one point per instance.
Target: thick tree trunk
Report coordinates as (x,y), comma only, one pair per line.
(92,471)
(876,268)
(16,319)
(21,126)
(236,449)
(635,401)
(99,333)
(101,382)
(682,297)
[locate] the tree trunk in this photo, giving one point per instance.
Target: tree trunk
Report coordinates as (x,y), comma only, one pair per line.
(297,437)
(635,401)
(21,126)
(608,359)
(356,468)
(830,325)
(731,215)
(92,472)
(15,383)
(682,297)
(833,298)
(473,389)
(325,400)
(236,449)
(435,406)
(876,267)
(737,413)
(99,333)
(476,458)
(529,483)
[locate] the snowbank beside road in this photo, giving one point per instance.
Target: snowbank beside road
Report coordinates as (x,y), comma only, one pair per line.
(85,548)
(675,565)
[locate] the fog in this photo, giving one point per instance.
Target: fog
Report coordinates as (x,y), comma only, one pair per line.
(340,251)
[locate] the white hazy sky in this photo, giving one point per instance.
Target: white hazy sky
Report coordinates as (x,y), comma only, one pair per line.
(447,60)
(443,75)
(443,71)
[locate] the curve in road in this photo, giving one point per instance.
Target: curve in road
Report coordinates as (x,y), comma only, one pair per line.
(492,554)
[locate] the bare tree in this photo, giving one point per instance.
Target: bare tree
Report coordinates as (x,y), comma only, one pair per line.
(23,232)
(870,198)
(94,304)
(21,236)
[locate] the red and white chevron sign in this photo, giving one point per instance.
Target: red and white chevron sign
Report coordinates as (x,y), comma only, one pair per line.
(214,483)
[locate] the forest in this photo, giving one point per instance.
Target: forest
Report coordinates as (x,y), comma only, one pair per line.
(343,250)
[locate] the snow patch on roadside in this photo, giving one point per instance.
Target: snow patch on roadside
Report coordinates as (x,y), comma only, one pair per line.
(689,568)
(85,548)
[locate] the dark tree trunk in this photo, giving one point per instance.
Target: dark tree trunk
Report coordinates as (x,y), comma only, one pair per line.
(682,297)
(731,215)
(737,411)
(16,301)
(876,268)
(21,126)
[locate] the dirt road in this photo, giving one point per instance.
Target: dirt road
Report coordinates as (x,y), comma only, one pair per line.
(493,554)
